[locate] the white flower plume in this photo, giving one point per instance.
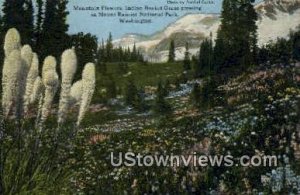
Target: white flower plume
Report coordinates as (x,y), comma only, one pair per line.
(68,69)
(12,41)
(88,86)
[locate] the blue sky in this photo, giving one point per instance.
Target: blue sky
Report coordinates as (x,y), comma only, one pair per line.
(80,21)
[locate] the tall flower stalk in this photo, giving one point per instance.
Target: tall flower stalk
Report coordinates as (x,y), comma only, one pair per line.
(37,97)
(88,86)
(76,93)
(11,80)
(50,81)
(11,68)
(12,41)
(26,55)
(37,90)
(31,77)
(68,68)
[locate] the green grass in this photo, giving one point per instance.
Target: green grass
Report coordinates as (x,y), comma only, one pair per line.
(143,74)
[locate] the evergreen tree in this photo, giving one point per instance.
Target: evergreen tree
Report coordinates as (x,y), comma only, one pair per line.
(210,54)
(196,95)
(237,33)
(295,41)
(101,52)
(47,38)
(28,33)
(120,54)
(219,53)
(161,106)
(86,49)
(130,93)
(204,66)
(109,48)
(140,57)
(134,54)
(62,25)
(279,51)
(135,97)
(172,51)
(39,16)
(263,55)
(128,56)
(62,15)
(54,39)
(187,60)
(228,22)
(248,32)
(39,22)
(13,16)
(139,102)
(284,54)
(208,93)
(111,88)
(100,59)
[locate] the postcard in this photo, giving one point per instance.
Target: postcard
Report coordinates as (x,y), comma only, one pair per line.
(150,97)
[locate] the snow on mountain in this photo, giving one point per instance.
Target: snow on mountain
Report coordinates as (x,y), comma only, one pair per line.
(129,39)
(191,28)
(194,24)
(276,19)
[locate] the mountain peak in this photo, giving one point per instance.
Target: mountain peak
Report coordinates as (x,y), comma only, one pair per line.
(270,8)
(276,19)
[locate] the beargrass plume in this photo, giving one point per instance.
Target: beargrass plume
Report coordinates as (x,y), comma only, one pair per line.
(23,87)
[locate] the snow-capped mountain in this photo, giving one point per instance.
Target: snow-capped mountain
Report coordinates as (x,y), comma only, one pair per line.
(276,19)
